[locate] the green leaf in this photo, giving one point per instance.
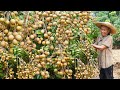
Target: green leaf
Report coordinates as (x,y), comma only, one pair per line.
(1,75)
(22,54)
(39,35)
(1,71)
(1,66)
(21,17)
(57,76)
(38,32)
(37,77)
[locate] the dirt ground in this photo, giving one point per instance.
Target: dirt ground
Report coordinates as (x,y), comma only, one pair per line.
(116,68)
(116,58)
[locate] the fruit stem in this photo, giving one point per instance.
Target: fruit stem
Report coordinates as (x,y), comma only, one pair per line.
(79,61)
(8,15)
(44,25)
(7,70)
(26,18)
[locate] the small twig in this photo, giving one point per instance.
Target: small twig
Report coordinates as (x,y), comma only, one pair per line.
(26,18)
(5,13)
(7,70)
(80,62)
(44,25)
(26,22)
(8,15)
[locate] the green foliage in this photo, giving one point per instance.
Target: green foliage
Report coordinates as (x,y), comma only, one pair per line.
(37,76)
(77,48)
(94,31)
(19,52)
(1,71)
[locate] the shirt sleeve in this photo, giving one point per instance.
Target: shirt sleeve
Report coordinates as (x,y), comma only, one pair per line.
(107,42)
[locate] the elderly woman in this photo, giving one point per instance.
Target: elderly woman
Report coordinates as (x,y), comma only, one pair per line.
(103,45)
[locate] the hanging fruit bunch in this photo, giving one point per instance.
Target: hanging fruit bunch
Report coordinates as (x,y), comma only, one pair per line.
(45,45)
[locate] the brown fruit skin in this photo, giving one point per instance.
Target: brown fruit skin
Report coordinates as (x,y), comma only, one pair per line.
(6,38)
(20,22)
(15,33)
(48,19)
(1,34)
(10,37)
(51,47)
(3,43)
(18,37)
(46,35)
(6,31)
(47,42)
(51,38)
(19,28)
(22,43)
(1,38)
(2,19)
(43,42)
(12,21)
(32,36)
(15,42)
(37,56)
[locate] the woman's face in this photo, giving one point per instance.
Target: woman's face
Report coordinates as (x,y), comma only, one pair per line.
(104,31)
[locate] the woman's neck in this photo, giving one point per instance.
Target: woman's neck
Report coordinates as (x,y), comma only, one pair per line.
(105,36)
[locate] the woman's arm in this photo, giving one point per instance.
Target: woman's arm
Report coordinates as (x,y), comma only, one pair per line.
(102,47)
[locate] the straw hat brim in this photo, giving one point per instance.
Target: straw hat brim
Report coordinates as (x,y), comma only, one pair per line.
(107,24)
